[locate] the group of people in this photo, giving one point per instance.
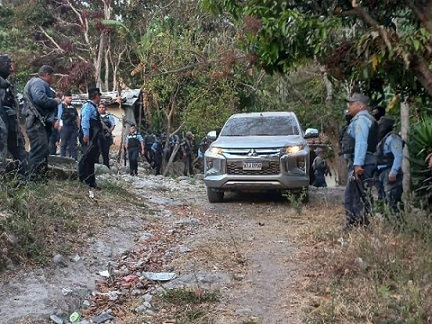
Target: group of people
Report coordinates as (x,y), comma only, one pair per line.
(153,150)
(47,116)
(374,153)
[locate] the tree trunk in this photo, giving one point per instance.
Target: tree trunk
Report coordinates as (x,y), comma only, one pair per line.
(405,124)
(332,131)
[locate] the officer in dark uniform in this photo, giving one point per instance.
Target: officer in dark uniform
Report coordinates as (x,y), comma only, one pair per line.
(149,140)
(69,127)
(320,168)
(134,144)
(390,156)
(91,131)
(378,112)
(105,141)
(187,150)
(157,149)
(11,138)
(41,111)
(363,133)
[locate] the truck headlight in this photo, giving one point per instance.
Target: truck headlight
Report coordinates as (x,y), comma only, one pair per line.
(215,150)
(293,149)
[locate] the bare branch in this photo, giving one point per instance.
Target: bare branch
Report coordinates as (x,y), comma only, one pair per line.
(52,40)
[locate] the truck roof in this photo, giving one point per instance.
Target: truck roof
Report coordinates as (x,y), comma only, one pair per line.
(264,114)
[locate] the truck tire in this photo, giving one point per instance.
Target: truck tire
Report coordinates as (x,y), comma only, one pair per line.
(214,196)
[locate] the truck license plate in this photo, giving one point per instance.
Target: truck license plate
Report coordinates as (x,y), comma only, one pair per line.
(252,166)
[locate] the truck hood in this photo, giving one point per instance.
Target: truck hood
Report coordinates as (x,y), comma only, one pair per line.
(248,142)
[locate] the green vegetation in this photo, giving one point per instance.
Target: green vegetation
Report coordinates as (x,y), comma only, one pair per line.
(38,220)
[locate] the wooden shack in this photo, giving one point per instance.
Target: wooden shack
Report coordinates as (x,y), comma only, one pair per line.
(127,107)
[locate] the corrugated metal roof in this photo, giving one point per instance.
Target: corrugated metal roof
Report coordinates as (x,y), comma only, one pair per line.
(129,97)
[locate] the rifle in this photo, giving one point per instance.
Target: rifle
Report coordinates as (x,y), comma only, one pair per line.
(363,194)
(33,109)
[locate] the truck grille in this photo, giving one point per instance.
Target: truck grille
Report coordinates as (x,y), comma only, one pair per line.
(268,168)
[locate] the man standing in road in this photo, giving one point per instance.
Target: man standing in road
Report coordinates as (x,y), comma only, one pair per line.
(187,150)
(69,127)
(42,105)
(11,138)
(363,132)
(134,144)
(91,131)
(106,140)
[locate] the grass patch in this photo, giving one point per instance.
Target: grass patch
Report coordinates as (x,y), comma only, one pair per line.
(190,306)
(38,220)
(186,296)
(378,275)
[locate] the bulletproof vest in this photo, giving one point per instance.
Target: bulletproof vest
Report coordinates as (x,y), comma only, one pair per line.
(7,98)
(321,166)
(69,115)
(149,139)
(347,142)
(133,140)
(204,145)
(106,120)
(388,158)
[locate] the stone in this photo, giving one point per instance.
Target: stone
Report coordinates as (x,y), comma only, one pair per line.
(76,258)
(102,318)
(243,311)
(56,319)
(59,259)
(145,236)
(147,298)
(140,309)
(184,249)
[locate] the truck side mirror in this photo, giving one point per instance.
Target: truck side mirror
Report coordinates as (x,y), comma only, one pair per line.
(311,133)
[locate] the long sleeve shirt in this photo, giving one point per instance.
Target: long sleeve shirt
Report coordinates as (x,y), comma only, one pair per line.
(88,111)
(359,129)
(393,144)
(41,96)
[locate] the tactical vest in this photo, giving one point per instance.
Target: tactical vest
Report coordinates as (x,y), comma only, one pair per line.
(106,120)
(321,166)
(69,115)
(133,140)
(149,139)
(347,141)
(388,158)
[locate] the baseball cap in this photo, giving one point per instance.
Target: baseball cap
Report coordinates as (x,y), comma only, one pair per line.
(93,90)
(358,97)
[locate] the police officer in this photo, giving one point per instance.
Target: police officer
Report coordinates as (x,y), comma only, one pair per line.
(363,133)
(320,168)
(203,147)
(134,144)
(157,149)
(149,140)
(187,150)
(106,140)
(41,110)
(69,127)
(11,138)
(389,162)
(91,131)
(378,112)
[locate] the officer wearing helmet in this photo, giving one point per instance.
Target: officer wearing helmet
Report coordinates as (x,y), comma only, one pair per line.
(11,138)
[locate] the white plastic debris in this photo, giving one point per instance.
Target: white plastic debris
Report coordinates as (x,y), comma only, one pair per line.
(160,276)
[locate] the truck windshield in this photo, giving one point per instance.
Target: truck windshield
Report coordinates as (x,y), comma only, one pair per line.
(261,126)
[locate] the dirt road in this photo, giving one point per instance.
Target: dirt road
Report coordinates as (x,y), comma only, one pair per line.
(246,248)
